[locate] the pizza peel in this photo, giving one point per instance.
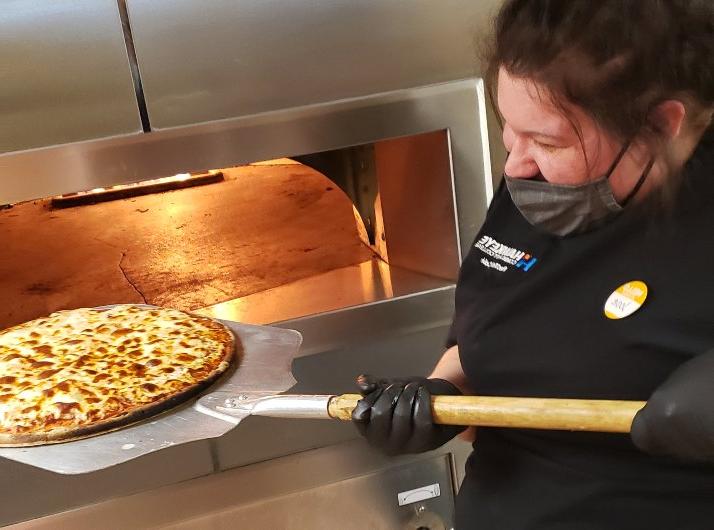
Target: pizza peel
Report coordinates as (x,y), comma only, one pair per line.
(255,388)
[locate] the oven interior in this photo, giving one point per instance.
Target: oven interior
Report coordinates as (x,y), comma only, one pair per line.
(260,243)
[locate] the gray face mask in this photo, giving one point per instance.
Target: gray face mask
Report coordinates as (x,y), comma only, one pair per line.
(565,210)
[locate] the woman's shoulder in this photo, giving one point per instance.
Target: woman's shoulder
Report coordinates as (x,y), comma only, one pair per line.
(702,160)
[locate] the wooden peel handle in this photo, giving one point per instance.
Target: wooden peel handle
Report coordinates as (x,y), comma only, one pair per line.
(522,413)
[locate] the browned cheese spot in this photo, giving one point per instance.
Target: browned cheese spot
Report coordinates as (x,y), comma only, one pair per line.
(67,408)
(138,369)
(41,364)
(113,403)
(48,373)
(43,349)
(82,361)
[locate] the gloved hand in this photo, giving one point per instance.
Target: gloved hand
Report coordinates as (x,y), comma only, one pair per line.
(678,419)
(395,414)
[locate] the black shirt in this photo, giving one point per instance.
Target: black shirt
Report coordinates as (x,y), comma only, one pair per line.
(530,321)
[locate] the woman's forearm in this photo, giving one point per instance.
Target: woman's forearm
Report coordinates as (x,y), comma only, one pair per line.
(449,368)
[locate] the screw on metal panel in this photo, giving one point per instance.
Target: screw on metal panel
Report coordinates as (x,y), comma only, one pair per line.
(234,402)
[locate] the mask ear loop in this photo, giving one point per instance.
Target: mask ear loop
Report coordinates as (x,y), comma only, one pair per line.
(641,181)
(619,156)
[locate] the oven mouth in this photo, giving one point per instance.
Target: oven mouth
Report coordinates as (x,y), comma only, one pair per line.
(261,243)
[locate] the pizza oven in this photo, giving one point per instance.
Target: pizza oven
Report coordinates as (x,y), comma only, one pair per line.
(339,206)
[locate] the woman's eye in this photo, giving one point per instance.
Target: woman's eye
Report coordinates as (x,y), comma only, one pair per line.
(546,147)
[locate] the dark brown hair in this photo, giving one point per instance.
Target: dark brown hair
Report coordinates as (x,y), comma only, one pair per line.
(615,59)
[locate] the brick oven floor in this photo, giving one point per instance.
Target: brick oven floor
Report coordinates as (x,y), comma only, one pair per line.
(265,226)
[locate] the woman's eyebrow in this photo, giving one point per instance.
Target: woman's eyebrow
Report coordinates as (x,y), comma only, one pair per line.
(541,134)
(552,134)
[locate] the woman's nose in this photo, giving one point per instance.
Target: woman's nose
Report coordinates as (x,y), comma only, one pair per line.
(508,137)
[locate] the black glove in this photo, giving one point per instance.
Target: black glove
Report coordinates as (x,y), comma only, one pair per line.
(678,419)
(395,414)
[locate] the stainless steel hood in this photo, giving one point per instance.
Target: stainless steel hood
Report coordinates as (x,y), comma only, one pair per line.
(203,61)
(64,73)
(77,70)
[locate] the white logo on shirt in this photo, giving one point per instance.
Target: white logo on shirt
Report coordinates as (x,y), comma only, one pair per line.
(493,265)
(512,256)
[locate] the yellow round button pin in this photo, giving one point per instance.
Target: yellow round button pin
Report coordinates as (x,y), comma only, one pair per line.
(625,300)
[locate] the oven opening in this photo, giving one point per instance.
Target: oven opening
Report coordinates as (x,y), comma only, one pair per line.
(260,243)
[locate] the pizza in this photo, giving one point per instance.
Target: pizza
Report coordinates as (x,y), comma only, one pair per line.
(81,372)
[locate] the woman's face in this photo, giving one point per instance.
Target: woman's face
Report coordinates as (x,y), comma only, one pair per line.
(543,143)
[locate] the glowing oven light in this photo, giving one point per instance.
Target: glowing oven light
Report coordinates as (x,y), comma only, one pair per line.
(145,187)
(180,177)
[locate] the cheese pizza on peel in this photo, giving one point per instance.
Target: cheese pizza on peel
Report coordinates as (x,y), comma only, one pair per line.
(81,372)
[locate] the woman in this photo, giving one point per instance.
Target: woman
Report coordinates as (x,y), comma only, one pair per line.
(607,117)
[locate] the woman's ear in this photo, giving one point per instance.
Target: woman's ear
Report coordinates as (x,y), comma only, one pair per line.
(668,117)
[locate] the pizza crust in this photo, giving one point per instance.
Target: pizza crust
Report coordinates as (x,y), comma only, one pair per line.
(225,342)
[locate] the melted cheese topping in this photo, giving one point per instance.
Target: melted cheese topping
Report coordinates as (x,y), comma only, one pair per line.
(78,367)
